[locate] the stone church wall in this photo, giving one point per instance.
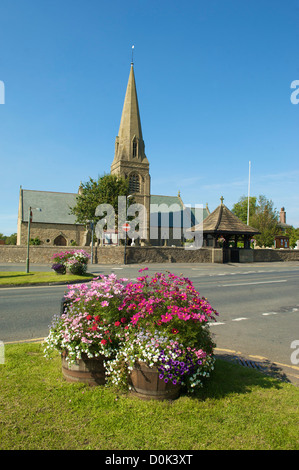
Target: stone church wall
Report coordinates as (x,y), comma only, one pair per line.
(140,255)
(47,233)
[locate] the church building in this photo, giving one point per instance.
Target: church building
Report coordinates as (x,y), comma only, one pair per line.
(55,225)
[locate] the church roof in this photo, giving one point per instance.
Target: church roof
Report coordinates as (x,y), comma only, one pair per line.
(55,206)
(223,221)
(168,200)
(180,215)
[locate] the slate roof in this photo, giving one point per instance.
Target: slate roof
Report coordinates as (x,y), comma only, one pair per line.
(55,206)
(223,221)
(179,214)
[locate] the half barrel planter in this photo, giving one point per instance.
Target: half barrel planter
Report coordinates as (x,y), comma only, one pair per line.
(90,371)
(146,384)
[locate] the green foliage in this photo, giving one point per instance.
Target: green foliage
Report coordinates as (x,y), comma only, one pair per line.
(293,234)
(262,216)
(265,219)
(241,207)
(35,241)
(103,191)
(9,240)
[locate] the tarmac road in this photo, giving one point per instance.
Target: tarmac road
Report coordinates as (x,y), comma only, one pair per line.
(258,307)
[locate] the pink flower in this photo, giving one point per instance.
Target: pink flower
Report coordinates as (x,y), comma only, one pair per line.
(105,303)
(166,318)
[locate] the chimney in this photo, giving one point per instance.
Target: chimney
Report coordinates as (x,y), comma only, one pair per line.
(282,216)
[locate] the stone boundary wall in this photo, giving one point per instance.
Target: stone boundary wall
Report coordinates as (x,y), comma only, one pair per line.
(264,255)
(108,254)
(155,254)
(43,254)
(143,255)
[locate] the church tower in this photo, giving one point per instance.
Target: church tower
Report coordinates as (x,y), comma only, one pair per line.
(130,161)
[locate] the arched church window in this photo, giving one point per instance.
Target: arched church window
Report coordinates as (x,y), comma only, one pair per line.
(134,183)
(60,241)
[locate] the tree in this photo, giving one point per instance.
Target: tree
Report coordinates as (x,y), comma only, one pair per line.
(103,191)
(265,219)
(293,234)
(241,207)
(10,239)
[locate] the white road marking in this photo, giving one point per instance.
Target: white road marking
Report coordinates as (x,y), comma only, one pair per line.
(251,283)
(239,319)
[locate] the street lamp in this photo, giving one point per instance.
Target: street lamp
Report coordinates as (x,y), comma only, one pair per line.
(127,205)
(91,224)
(28,236)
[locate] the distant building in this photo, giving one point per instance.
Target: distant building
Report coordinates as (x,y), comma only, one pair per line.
(282,241)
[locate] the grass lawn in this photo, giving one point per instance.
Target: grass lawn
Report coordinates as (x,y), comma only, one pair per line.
(21,278)
(238,408)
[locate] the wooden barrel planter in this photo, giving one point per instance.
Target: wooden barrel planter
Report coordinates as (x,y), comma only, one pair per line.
(87,370)
(146,384)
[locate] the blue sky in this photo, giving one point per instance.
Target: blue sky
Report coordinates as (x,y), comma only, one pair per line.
(214,86)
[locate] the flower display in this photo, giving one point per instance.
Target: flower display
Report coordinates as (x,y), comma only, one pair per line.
(74,260)
(59,268)
(168,329)
(91,323)
(161,321)
(172,304)
(176,363)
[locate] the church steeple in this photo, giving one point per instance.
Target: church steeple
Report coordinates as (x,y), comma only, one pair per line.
(129,144)
(130,161)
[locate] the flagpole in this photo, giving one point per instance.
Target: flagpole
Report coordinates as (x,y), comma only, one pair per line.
(248,194)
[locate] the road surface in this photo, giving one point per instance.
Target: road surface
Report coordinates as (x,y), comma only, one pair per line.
(258,306)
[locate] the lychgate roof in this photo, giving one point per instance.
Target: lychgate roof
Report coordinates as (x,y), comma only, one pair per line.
(223,221)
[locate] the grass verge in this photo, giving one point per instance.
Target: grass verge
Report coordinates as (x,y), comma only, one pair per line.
(20,278)
(238,408)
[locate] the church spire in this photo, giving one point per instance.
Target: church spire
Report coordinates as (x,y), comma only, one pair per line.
(129,144)
(130,161)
